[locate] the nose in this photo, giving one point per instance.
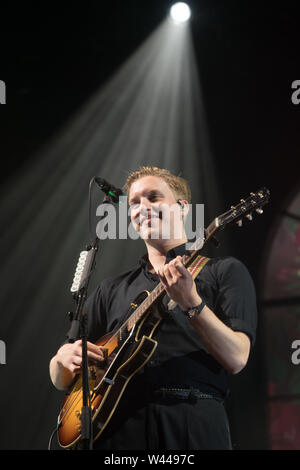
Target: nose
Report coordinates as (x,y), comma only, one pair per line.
(145,204)
(142,209)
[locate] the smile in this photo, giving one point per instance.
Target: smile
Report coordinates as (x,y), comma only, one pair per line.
(149,219)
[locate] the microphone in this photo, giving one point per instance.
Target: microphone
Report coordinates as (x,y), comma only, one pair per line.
(110,190)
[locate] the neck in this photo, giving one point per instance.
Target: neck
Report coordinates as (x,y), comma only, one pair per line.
(157,251)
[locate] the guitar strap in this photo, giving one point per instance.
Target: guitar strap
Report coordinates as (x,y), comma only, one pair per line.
(195,268)
(197,265)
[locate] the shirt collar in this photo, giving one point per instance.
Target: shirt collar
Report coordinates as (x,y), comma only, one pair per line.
(179,250)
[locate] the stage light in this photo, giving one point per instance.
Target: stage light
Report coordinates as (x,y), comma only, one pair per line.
(180,12)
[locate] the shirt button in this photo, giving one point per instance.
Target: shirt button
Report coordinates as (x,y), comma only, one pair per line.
(153,362)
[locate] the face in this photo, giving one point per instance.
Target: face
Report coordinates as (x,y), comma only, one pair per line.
(154,210)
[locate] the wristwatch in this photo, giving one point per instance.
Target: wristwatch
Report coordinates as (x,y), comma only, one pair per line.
(194,310)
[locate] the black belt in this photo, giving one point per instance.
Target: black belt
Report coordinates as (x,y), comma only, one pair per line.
(185,394)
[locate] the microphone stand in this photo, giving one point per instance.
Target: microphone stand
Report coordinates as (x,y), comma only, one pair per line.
(78,330)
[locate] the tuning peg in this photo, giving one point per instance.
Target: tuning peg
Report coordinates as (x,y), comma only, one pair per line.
(242,200)
(249,216)
(259,211)
(240,223)
(252,194)
(232,207)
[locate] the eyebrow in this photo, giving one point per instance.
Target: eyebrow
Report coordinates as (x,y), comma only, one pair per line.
(149,193)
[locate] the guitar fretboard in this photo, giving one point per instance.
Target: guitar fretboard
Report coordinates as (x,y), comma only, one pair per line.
(159,290)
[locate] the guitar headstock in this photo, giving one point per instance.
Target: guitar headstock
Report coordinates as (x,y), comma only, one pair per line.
(245,208)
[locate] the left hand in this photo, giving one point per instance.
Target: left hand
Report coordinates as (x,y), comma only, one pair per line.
(179,284)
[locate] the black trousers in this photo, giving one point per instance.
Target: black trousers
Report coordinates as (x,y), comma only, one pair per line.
(166,423)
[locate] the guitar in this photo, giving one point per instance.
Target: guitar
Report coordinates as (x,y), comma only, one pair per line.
(130,347)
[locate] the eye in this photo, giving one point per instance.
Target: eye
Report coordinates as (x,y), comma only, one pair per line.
(154,196)
(134,205)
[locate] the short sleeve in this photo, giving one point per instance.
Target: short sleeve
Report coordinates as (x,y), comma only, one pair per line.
(236,300)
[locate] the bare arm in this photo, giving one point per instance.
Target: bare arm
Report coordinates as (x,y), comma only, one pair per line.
(230,348)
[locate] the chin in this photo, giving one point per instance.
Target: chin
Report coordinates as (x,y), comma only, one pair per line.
(150,234)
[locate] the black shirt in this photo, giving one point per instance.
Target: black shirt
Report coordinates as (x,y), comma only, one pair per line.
(180,359)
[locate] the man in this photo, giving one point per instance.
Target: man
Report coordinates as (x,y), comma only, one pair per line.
(176,401)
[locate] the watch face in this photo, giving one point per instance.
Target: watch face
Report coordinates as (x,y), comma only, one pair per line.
(196,310)
(192,313)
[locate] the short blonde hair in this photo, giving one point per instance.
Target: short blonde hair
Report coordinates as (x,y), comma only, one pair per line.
(178,185)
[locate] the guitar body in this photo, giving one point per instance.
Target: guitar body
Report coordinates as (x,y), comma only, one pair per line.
(125,357)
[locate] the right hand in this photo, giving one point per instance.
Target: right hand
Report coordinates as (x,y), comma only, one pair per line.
(70,355)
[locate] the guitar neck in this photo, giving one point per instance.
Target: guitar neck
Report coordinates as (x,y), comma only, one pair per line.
(159,290)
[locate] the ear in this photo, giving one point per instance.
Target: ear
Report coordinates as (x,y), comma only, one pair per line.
(184,206)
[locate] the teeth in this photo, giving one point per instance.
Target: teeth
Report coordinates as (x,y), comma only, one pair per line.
(150,218)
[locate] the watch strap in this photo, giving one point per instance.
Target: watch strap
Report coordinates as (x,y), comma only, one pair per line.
(194,310)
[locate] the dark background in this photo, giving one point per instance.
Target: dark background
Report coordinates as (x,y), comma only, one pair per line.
(54,56)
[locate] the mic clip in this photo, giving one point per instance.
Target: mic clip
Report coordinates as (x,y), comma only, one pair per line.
(113,194)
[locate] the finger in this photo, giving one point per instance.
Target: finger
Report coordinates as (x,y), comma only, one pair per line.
(90,346)
(94,352)
(162,277)
(167,274)
(173,267)
(182,269)
(95,357)
(75,365)
(177,260)
(92,357)
(94,348)
(77,361)
(75,369)
(175,271)
(77,348)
